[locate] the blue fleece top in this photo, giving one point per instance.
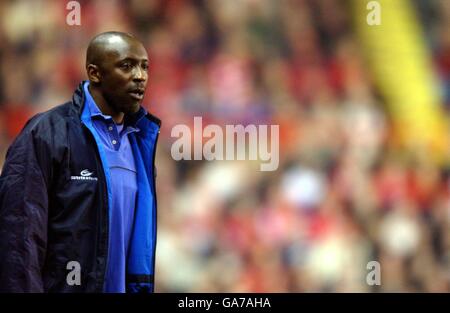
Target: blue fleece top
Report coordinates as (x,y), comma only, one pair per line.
(123,186)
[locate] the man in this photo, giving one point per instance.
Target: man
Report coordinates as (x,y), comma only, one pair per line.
(77,190)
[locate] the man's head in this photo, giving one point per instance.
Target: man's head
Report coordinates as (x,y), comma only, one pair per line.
(117,64)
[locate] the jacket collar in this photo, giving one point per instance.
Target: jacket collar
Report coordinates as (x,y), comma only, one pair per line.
(79,102)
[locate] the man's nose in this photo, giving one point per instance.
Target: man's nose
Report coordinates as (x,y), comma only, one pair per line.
(140,74)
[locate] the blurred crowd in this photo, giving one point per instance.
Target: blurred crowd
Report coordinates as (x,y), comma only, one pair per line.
(343,194)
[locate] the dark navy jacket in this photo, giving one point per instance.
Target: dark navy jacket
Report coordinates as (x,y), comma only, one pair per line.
(54,202)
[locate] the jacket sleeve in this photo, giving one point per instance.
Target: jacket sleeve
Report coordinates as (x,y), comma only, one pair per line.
(24,213)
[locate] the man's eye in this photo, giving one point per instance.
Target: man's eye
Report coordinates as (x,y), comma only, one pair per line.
(145,66)
(126,66)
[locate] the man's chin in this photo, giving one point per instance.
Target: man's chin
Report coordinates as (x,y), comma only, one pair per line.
(132,107)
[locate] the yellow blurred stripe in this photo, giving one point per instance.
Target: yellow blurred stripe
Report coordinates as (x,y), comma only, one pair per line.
(402,69)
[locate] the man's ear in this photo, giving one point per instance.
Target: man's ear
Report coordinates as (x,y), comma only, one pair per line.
(93,73)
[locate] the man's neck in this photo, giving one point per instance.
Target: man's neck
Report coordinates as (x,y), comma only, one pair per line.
(102,104)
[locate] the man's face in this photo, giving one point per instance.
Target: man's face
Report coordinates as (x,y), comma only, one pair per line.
(124,74)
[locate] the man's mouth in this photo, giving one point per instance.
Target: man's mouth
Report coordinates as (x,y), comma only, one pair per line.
(137,94)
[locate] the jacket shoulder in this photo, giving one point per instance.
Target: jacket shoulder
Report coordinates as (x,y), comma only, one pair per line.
(54,119)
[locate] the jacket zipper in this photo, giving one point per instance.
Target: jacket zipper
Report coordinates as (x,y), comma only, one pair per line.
(156,209)
(105,199)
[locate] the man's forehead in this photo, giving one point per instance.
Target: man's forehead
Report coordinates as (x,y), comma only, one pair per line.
(118,47)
